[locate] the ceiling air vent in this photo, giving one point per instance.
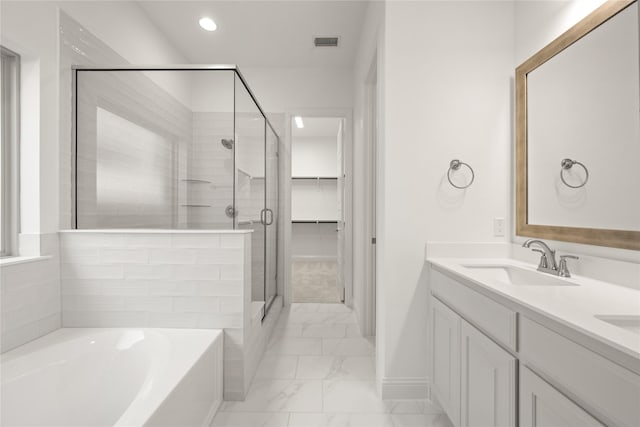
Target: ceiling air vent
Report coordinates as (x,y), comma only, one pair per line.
(325,41)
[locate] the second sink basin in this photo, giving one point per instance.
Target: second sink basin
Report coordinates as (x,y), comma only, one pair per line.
(516,276)
(629,323)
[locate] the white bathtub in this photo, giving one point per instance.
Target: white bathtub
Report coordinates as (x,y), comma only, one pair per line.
(107,377)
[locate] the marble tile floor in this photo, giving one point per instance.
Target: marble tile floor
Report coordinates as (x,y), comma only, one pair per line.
(318,371)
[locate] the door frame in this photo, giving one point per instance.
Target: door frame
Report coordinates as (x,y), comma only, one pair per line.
(347,115)
(371,134)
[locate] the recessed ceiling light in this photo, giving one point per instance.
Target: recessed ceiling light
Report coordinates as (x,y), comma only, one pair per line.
(299,123)
(207,24)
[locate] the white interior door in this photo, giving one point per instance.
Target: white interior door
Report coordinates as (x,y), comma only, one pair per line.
(340,225)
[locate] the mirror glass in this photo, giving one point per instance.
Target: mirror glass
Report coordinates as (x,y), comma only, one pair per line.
(580,131)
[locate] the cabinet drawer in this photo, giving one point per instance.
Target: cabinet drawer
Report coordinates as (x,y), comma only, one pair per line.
(494,319)
(603,387)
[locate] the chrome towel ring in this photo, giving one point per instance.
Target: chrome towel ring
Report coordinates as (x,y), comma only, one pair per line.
(568,164)
(455,165)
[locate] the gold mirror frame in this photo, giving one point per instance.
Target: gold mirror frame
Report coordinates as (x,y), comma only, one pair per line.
(625,239)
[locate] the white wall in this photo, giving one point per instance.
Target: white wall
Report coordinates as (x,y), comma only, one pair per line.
(284,89)
(537,24)
(448,70)
(314,156)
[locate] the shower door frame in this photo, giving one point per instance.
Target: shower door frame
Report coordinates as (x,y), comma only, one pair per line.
(179,67)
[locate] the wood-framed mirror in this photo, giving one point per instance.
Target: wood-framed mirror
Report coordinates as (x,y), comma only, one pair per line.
(578,133)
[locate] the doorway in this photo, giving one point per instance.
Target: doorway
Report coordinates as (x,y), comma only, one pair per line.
(319,205)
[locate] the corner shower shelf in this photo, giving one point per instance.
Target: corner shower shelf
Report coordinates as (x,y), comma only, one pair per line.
(313,221)
(248,175)
(195,206)
(195,181)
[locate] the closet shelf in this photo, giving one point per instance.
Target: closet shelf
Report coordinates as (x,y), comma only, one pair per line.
(317,178)
(315,221)
(196,181)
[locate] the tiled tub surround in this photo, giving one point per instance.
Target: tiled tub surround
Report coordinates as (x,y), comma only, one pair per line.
(121,377)
(163,279)
(30,291)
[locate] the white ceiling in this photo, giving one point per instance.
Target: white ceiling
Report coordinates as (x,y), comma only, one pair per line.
(316,127)
(261,33)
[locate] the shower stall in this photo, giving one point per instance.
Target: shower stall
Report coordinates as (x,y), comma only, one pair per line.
(180,148)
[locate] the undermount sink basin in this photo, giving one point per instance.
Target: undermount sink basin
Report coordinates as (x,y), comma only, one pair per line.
(629,323)
(516,276)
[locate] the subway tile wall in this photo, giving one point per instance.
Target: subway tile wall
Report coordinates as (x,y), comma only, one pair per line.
(30,295)
(173,279)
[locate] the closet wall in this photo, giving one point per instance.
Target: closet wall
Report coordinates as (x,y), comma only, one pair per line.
(314,189)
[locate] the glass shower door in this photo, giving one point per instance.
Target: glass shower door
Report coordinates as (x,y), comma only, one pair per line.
(250,186)
(271,216)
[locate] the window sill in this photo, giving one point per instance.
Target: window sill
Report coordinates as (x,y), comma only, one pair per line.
(13,260)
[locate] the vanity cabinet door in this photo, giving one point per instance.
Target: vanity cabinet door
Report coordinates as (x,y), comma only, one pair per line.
(543,406)
(445,369)
(488,381)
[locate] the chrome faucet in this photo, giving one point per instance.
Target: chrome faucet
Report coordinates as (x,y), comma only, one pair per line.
(548,259)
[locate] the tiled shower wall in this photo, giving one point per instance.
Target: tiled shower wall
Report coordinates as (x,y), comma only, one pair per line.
(211,162)
(128,97)
(170,279)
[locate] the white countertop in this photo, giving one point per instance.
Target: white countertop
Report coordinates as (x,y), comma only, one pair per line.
(572,306)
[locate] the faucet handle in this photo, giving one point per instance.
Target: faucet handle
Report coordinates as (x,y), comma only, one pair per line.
(544,263)
(563,270)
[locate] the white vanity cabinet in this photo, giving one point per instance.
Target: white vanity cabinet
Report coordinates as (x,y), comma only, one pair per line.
(473,377)
(543,406)
(499,362)
(487,381)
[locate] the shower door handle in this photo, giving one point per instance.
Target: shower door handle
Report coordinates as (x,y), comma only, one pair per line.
(270,216)
(262,217)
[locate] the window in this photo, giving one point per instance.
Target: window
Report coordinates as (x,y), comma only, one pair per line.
(9,110)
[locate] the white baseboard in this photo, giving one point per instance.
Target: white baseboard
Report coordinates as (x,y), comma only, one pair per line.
(404,388)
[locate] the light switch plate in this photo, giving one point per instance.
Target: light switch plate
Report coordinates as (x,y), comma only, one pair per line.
(498,227)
